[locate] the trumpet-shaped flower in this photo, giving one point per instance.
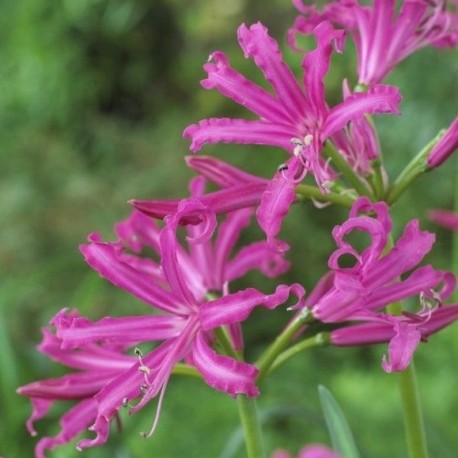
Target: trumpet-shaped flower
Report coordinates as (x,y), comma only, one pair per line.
(359,292)
(383,38)
(293,118)
(178,291)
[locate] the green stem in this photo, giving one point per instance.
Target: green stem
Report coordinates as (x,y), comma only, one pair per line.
(342,165)
(281,342)
(251,426)
(312,192)
(416,167)
(411,405)
(413,418)
(318,340)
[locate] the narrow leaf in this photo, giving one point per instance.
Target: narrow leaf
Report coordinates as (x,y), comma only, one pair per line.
(341,437)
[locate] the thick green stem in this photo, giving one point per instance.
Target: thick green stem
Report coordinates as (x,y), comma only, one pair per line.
(312,192)
(281,342)
(413,418)
(251,427)
(342,165)
(411,405)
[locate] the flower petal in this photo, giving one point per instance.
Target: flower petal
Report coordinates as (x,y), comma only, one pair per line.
(237,307)
(223,201)
(220,172)
(401,347)
(276,200)
(227,130)
(242,91)
(76,420)
(222,372)
(378,99)
(105,259)
(256,43)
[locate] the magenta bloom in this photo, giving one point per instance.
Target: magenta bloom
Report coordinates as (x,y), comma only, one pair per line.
(239,190)
(359,292)
(97,365)
(445,147)
(383,37)
(178,290)
(444,218)
(418,327)
(295,119)
(311,451)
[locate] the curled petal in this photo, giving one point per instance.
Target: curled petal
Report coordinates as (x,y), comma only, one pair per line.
(226,130)
(260,256)
(223,201)
(378,99)
(242,91)
(222,372)
(401,347)
(237,307)
(76,420)
(256,43)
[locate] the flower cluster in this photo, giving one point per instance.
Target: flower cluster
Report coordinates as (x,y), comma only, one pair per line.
(195,315)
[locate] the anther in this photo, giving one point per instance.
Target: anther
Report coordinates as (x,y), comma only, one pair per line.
(282,168)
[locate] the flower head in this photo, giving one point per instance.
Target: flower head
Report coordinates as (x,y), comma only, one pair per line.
(296,119)
(373,280)
(383,37)
(178,290)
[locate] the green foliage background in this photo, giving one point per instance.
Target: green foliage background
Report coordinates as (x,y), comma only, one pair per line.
(94,95)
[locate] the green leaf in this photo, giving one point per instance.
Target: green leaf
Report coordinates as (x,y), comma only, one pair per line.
(339,431)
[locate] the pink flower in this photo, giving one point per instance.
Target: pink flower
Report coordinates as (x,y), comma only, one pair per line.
(239,190)
(179,289)
(445,147)
(359,292)
(445,218)
(311,451)
(97,364)
(403,332)
(295,119)
(383,38)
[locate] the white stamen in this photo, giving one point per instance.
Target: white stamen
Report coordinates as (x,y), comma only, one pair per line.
(156,417)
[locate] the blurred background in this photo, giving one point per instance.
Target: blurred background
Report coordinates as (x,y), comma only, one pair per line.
(94,95)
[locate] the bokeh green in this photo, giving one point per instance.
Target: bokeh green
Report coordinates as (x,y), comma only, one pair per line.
(94,95)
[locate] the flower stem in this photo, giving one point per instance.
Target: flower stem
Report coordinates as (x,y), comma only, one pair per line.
(281,342)
(318,340)
(413,418)
(342,165)
(251,426)
(411,405)
(412,171)
(312,192)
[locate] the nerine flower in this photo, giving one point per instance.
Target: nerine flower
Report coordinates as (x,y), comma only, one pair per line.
(388,328)
(296,119)
(361,291)
(239,190)
(97,364)
(184,318)
(383,37)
